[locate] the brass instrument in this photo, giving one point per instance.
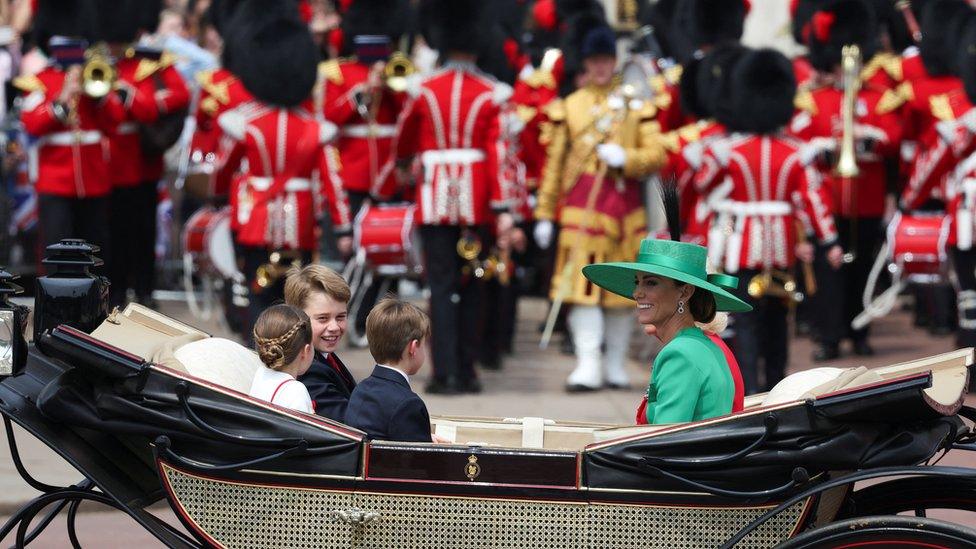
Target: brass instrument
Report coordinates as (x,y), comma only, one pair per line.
(278,264)
(98,75)
(774,283)
(398,68)
(469,248)
(851,67)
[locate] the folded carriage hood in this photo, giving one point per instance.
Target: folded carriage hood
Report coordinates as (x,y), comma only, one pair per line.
(886,425)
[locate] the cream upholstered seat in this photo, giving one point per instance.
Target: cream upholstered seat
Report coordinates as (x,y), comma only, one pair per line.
(220,361)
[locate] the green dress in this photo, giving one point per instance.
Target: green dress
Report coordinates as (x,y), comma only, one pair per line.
(691,380)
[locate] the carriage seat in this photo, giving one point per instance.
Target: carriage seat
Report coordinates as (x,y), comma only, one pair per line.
(819,381)
(218,360)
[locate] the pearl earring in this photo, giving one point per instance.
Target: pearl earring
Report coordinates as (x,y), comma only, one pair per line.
(681,307)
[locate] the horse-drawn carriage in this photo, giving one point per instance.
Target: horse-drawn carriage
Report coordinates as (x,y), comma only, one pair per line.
(239,472)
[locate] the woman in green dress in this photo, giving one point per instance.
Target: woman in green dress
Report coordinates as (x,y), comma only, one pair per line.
(690,380)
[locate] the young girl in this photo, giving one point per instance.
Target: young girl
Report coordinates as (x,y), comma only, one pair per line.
(283,340)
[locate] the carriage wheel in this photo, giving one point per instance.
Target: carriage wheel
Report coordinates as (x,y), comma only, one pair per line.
(891,532)
(912,495)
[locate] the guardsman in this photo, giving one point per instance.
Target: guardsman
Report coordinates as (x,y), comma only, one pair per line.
(859,202)
(155,98)
(601,144)
(218,91)
(290,172)
(771,191)
(450,128)
(69,150)
(356,95)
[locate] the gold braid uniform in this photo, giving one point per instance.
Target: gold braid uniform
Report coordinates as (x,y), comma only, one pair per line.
(613,229)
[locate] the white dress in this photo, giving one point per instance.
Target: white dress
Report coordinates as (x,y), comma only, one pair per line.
(281,389)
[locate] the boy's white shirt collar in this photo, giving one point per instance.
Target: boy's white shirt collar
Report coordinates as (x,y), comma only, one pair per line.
(397,370)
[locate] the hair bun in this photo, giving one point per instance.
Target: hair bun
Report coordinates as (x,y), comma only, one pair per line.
(271,354)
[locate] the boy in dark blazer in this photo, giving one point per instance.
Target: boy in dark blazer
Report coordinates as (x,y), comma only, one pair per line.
(383,405)
(324,295)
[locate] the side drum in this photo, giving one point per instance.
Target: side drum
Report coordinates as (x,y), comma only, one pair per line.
(917,244)
(208,242)
(385,235)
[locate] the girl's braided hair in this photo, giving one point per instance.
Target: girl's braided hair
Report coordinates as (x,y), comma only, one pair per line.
(280,334)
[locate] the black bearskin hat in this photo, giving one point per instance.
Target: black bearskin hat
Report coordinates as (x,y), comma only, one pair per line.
(659,15)
(836,24)
(705,81)
(149,13)
(702,23)
(800,13)
(119,21)
(281,58)
(577,30)
(453,25)
(380,17)
(967,59)
(942,24)
(70,18)
(221,13)
(762,88)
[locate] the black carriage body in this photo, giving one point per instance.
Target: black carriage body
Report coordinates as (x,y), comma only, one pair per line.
(243,473)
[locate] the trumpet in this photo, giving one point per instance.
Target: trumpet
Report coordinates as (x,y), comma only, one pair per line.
(98,75)
(278,264)
(398,68)
(774,283)
(851,66)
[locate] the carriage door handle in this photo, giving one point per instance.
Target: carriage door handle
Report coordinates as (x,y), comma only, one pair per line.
(356,516)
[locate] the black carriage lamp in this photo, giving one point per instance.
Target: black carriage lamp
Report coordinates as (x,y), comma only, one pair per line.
(70,293)
(13,327)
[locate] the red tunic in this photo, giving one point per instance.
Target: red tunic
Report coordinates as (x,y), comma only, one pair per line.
(768,188)
(220,91)
(451,125)
(819,120)
(67,158)
(153,89)
(365,148)
(531,94)
(289,172)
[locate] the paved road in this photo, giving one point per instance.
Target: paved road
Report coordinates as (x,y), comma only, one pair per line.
(530,384)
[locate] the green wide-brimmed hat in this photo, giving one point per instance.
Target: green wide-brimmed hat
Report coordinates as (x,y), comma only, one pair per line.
(667,258)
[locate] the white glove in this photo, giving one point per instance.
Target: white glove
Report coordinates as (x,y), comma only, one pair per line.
(543,233)
(611,154)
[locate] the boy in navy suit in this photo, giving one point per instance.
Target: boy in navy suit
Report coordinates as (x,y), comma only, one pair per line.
(383,405)
(323,295)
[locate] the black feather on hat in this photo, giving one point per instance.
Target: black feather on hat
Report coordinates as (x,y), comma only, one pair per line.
(942,24)
(836,24)
(374,17)
(69,18)
(967,59)
(282,60)
(453,25)
(762,87)
(119,21)
(705,81)
(702,23)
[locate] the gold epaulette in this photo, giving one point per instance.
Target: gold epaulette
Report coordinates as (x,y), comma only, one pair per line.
(890,101)
(689,132)
(205,78)
(906,90)
(146,68)
(876,63)
(671,141)
(662,97)
(804,101)
(331,71)
(541,79)
(167,60)
(941,108)
(29,83)
(525,112)
(220,92)
(555,111)
(673,74)
(893,66)
(210,106)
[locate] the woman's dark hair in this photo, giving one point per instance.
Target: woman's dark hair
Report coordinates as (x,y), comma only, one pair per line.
(702,306)
(280,334)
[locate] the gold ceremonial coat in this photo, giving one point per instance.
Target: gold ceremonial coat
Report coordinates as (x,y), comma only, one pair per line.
(600,211)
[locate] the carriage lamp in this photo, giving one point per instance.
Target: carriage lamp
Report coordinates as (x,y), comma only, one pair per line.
(70,293)
(13,326)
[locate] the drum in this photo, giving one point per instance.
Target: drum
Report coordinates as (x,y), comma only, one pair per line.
(384,234)
(917,245)
(208,241)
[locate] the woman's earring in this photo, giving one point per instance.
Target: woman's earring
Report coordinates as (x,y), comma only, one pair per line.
(681,307)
